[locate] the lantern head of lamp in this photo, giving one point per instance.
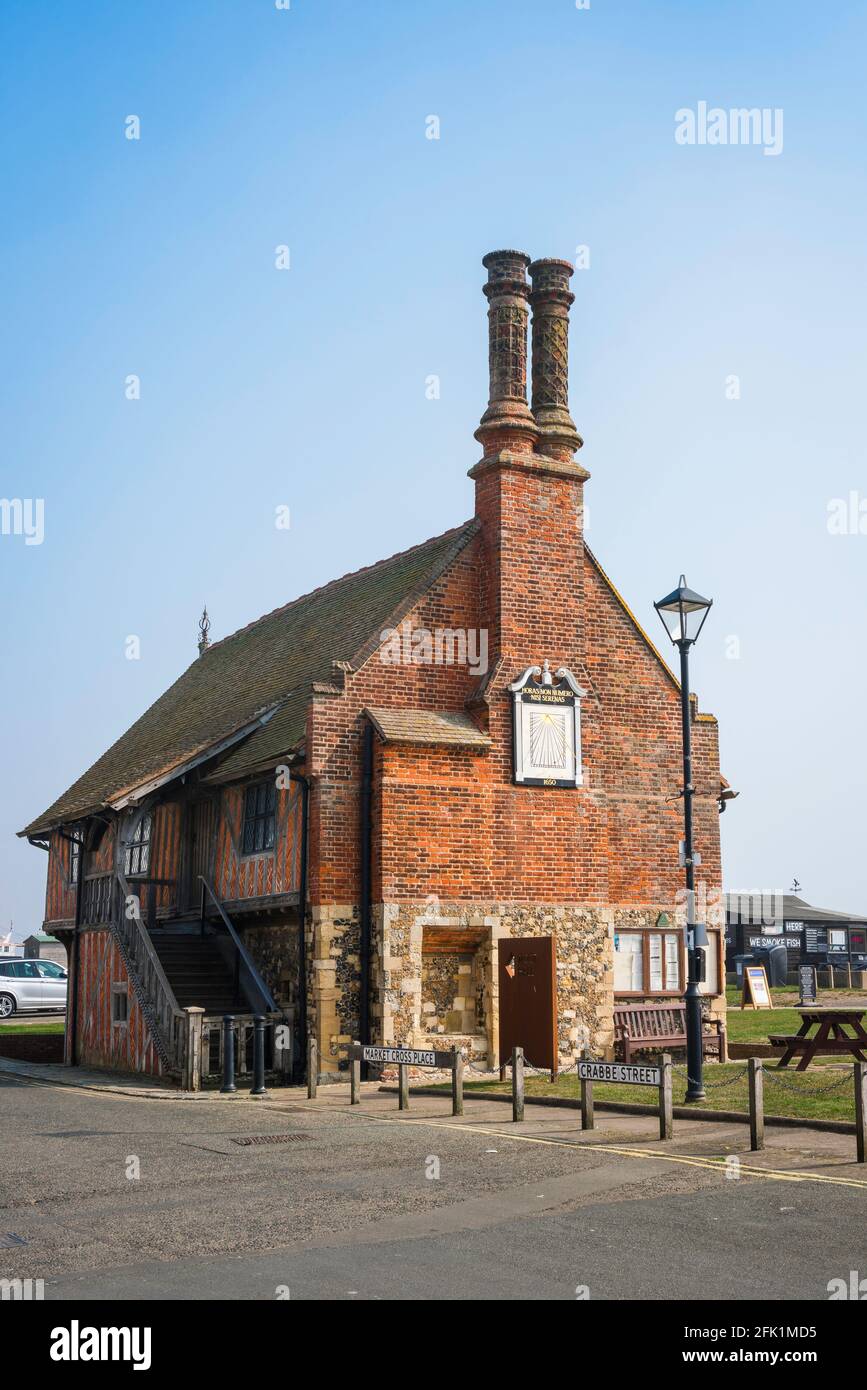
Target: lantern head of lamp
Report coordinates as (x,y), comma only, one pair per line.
(683,613)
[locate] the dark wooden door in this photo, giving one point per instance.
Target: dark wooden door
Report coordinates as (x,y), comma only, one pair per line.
(201,824)
(527,968)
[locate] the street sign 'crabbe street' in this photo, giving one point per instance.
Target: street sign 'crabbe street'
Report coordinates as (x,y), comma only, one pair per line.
(629,1074)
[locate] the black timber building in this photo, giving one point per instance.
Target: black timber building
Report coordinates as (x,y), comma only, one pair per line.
(757,923)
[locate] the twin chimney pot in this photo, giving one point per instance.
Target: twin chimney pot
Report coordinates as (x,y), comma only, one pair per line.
(509,422)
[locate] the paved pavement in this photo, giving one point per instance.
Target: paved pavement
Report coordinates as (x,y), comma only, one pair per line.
(106,1195)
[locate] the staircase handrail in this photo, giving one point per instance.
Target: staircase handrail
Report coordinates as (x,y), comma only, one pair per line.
(155,986)
(268,1004)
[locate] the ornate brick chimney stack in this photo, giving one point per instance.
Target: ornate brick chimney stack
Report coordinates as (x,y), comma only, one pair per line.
(508,422)
(550,299)
(528,485)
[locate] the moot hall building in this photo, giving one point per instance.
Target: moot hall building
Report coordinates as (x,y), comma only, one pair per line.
(436,801)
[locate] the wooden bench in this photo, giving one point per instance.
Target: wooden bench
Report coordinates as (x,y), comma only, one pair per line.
(639,1027)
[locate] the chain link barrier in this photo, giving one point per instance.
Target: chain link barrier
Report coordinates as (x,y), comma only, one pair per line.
(712,1085)
(679,1069)
(529,1069)
(788,1083)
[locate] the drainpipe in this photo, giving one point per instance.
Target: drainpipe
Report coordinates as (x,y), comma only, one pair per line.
(364,903)
(304,784)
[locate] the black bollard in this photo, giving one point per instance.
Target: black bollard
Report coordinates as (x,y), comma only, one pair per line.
(258,1086)
(228,1053)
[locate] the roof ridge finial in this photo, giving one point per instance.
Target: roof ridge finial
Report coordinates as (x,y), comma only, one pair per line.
(204,629)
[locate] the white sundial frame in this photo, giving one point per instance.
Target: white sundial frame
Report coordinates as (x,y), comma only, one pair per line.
(531,736)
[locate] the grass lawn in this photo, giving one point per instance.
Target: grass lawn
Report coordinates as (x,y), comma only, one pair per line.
(33,1030)
(836,1101)
(788,994)
(754,1025)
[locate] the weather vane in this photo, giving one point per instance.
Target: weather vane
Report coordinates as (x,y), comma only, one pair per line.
(204,629)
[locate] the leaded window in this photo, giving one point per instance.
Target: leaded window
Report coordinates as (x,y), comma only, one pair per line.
(260,818)
(75,853)
(138,850)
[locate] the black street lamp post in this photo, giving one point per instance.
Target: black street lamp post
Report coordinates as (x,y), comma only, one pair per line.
(683,615)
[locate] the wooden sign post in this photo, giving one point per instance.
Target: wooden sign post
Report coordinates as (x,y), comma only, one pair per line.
(404,1058)
(757,1103)
(517,1083)
(666,1107)
(757,994)
(587,1116)
(657,1075)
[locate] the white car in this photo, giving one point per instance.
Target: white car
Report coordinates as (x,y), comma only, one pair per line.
(28,985)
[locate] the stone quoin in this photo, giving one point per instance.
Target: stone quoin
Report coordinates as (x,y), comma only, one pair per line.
(447,895)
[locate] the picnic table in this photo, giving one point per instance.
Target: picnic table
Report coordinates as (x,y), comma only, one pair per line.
(830,1023)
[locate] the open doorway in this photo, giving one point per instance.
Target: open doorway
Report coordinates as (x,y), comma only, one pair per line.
(456,987)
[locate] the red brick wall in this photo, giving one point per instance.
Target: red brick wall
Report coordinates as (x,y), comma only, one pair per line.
(533,562)
(433,812)
(451,822)
(335,726)
(632,744)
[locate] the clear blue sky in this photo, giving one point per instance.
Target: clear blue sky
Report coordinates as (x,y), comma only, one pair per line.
(306,387)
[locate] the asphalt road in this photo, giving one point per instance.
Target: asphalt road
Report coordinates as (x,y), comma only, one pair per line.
(108,1197)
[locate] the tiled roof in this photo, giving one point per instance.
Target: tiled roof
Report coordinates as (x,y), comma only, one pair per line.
(427,726)
(268,666)
(267,744)
(758,909)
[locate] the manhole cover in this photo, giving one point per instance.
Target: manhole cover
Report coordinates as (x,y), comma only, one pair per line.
(269,1139)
